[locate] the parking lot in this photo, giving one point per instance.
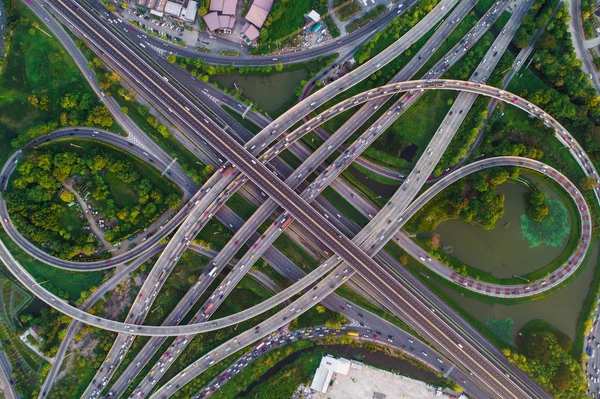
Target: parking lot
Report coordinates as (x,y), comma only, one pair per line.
(165,30)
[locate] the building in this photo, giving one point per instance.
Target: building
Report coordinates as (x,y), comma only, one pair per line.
(328,367)
(215,21)
(221,15)
(181,9)
(315,16)
(258,12)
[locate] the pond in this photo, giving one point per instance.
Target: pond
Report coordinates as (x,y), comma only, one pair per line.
(560,309)
(268,92)
(501,251)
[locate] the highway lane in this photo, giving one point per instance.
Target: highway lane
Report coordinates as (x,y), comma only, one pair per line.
(293,181)
(387,222)
(285,337)
(564,137)
(427,22)
(98,294)
(6,388)
(199,214)
(109,285)
(578,37)
(264,211)
(134,132)
(111,139)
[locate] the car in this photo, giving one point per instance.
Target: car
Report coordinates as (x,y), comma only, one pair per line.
(463,381)
(339,42)
(236,243)
(424,353)
(131,27)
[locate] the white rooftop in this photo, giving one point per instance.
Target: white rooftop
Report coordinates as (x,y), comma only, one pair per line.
(329,365)
(314,15)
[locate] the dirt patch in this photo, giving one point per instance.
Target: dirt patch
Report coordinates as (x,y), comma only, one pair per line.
(118,301)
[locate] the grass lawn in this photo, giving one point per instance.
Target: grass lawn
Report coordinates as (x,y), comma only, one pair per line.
(251,127)
(345,207)
(124,194)
(589,306)
(214,234)
(241,206)
(412,128)
(58,280)
(259,367)
(170,145)
(36,64)
(295,253)
(70,220)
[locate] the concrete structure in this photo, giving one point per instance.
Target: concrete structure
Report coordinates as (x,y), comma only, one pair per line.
(367,382)
(180,9)
(328,367)
(315,16)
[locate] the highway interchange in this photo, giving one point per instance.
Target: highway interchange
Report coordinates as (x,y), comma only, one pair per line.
(355,252)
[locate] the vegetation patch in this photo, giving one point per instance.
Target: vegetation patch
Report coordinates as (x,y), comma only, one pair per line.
(364,19)
(551,230)
(51,183)
(36,78)
(345,9)
(501,328)
(473,200)
(544,355)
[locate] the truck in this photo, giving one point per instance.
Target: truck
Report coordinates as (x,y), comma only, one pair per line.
(260,346)
(226,171)
(353,334)
(285,224)
(208,308)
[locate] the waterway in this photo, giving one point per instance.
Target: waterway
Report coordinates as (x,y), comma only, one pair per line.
(560,309)
(501,251)
(269,92)
(376,359)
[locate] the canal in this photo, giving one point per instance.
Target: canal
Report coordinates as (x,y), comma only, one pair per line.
(268,92)
(376,359)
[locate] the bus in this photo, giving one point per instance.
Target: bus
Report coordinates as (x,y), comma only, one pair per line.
(212,272)
(353,334)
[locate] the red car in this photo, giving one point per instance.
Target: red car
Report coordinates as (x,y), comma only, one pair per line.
(339,42)
(237,242)
(255,246)
(131,27)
